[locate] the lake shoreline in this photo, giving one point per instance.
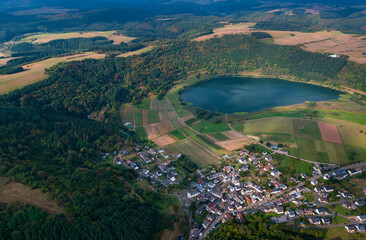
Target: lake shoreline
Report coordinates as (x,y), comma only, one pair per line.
(242,94)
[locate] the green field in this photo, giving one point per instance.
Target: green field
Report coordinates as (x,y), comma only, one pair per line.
(173,98)
(351,117)
(291,164)
(178,135)
(339,220)
(127,113)
(138,117)
(306,128)
(341,210)
(209,127)
(307,149)
(269,125)
(141,133)
(219,136)
(176,123)
(295,114)
(198,155)
(278,138)
(352,134)
(207,143)
(153,116)
(159,105)
(187,132)
(239,127)
(144,105)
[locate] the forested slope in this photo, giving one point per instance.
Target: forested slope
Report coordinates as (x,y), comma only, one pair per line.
(82,87)
(61,155)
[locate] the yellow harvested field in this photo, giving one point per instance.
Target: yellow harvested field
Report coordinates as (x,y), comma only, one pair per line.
(157,129)
(137,52)
(240,28)
(164,140)
(325,41)
(349,132)
(232,134)
(332,41)
(47,37)
(234,144)
(13,191)
(4,61)
(35,71)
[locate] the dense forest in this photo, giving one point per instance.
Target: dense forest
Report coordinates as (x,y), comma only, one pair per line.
(258,228)
(62,156)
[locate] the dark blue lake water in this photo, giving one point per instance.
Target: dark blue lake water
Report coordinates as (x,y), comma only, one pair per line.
(241,94)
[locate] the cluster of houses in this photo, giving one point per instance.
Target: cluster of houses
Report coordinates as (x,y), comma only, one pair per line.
(341,174)
(352,228)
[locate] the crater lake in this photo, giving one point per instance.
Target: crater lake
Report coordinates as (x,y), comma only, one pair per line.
(245,94)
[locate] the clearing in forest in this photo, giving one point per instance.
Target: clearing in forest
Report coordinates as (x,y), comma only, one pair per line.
(329,132)
(35,71)
(47,37)
(13,191)
(324,41)
(137,52)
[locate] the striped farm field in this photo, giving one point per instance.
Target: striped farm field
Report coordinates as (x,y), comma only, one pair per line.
(329,132)
(198,155)
(219,136)
(208,144)
(127,113)
(153,116)
(177,123)
(269,125)
(141,133)
(159,105)
(166,115)
(178,135)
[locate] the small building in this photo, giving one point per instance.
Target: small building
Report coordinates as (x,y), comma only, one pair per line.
(360,228)
(290,213)
(314,220)
(328,188)
(361,218)
(279,210)
(326,220)
(193,193)
(350,228)
(314,182)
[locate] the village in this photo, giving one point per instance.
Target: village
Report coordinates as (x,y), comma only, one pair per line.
(249,182)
